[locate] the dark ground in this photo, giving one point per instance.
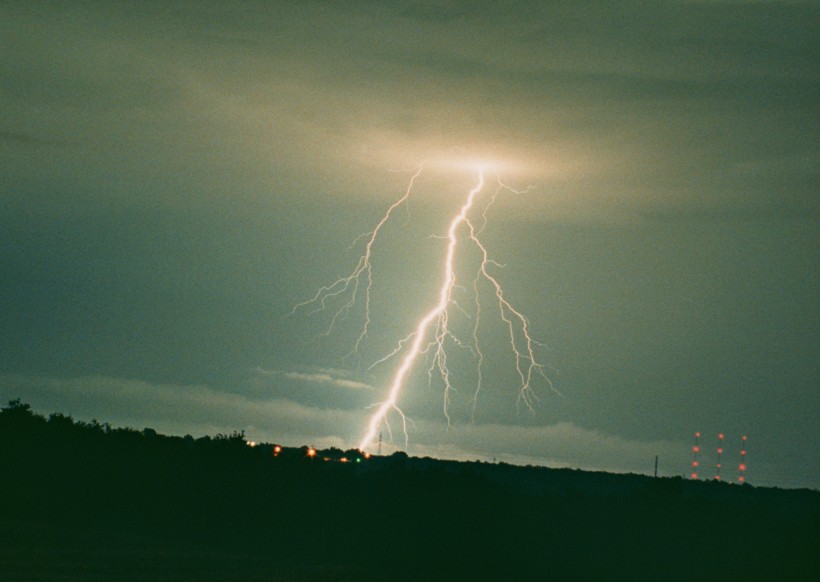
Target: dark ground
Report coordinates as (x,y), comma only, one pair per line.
(83,501)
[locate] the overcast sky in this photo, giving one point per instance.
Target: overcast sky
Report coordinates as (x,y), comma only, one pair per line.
(175,177)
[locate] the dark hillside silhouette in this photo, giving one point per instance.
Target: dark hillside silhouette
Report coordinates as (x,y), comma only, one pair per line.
(85,501)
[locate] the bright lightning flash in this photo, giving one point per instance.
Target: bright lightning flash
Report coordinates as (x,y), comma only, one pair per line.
(523,346)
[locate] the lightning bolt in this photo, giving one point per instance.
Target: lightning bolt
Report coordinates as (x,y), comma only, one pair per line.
(437,319)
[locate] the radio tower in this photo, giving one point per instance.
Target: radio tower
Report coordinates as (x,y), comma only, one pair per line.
(719,455)
(695,451)
(742,467)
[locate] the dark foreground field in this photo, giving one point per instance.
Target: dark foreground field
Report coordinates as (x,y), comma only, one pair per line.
(84,501)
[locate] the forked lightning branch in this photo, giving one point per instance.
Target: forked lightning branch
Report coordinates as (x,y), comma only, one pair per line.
(434,331)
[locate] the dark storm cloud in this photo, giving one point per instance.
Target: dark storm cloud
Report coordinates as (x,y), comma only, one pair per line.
(24,139)
(175,177)
(631,95)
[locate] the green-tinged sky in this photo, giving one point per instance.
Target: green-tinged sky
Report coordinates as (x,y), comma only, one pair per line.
(176,176)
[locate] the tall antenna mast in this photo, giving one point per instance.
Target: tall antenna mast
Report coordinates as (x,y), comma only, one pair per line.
(380,443)
(719,455)
(742,467)
(695,451)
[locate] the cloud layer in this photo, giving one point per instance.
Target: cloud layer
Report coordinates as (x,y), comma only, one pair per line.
(199,410)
